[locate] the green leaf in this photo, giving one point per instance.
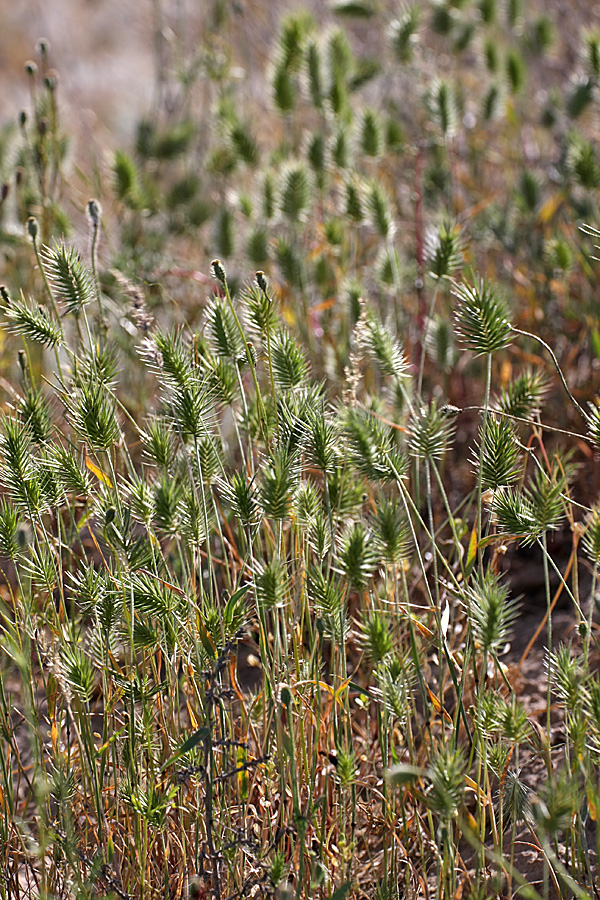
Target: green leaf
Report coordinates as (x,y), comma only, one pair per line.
(237,595)
(341,892)
(287,745)
(595,338)
(355,8)
(353,686)
(403,773)
(206,641)
(192,741)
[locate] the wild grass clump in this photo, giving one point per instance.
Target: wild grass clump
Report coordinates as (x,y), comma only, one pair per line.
(266,614)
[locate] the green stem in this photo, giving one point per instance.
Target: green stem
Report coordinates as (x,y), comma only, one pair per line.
(259,400)
(52,300)
(588,634)
(549,629)
(425,335)
(488,383)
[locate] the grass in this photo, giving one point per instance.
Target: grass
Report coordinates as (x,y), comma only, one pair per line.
(262,514)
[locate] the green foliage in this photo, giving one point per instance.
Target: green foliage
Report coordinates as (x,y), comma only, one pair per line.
(249,562)
(446,774)
(499,454)
(357,555)
(379,209)
(223,332)
(284,91)
(591,538)
(445,249)
(295,192)
(126,179)
(33,322)
(482,317)
(514,515)
(369,445)
(70,279)
(523,395)
(9,530)
(515,70)
(289,364)
(244,144)
(430,431)
(442,103)
(545,498)
(387,351)
(371,134)
(92,411)
(375,636)
(404,33)
(491,613)
(279,479)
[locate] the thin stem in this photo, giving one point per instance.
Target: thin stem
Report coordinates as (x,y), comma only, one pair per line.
(259,400)
(51,297)
(425,335)
(488,382)
(535,337)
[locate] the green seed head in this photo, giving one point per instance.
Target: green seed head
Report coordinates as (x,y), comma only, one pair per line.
(51,80)
(94,212)
(261,280)
(285,696)
(218,270)
(32,227)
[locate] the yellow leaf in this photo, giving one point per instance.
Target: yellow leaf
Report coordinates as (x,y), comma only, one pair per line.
(437,705)
(591,801)
(549,208)
(342,688)
(100,475)
(193,720)
(423,628)
(242,759)
(472,822)
(288,316)
(483,798)
(472,552)
(54,736)
(323,305)
(506,371)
